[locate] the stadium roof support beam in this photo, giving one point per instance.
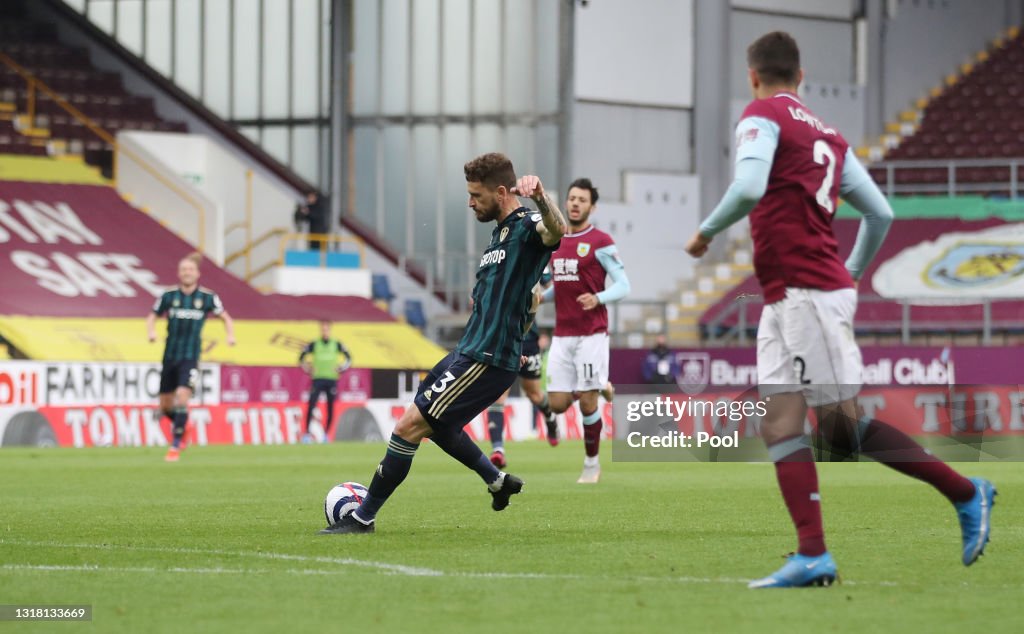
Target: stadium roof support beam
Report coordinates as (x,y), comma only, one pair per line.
(712,130)
(874,115)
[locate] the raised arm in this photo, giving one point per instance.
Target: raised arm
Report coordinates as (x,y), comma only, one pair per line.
(552,226)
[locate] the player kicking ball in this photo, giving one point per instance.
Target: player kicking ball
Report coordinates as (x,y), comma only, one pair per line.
(790,169)
(488,357)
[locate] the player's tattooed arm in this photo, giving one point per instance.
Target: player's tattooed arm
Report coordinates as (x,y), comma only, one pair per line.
(553,225)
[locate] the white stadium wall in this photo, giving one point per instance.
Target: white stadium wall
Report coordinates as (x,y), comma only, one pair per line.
(638,52)
(633,112)
(196,163)
(304,280)
(649,227)
(609,139)
(804,8)
(827,49)
(160,179)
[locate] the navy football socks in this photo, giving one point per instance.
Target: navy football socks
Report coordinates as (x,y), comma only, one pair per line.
(390,473)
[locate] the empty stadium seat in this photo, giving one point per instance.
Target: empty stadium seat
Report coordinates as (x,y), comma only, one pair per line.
(381,288)
(414,314)
(981,116)
(100,95)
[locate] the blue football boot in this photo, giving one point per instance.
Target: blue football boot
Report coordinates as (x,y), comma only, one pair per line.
(974,515)
(801,571)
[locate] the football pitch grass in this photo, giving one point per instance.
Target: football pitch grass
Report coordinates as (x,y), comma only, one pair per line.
(225,541)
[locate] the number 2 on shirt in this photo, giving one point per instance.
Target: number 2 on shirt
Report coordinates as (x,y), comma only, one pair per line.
(823,155)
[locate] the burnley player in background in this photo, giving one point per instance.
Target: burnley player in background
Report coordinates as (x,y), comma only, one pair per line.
(790,169)
(186,306)
(578,360)
(487,359)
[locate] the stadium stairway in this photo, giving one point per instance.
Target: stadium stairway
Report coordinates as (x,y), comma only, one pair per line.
(692,297)
(709,284)
(82,269)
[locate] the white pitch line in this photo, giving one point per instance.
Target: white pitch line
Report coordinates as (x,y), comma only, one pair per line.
(175,569)
(384,567)
(411,571)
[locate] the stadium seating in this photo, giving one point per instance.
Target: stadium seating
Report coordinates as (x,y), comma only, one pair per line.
(414,314)
(67,70)
(978,116)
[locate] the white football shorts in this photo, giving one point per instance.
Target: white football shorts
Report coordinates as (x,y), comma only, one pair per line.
(805,343)
(578,364)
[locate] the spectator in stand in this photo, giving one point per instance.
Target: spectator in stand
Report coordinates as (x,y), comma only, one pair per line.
(301,216)
(319,216)
(660,365)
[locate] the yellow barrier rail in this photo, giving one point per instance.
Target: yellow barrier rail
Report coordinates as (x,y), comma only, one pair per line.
(34,85)
(241,224)
(247,249)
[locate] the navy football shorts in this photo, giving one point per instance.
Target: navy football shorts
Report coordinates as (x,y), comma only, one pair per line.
(177,374)
(458,389)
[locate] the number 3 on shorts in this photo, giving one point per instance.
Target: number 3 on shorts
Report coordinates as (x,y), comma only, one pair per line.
(441,384)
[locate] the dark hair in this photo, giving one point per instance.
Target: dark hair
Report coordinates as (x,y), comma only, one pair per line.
(493,170)
(584,183)
(775,58)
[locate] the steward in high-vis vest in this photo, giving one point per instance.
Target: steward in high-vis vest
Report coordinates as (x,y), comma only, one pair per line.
(324,369)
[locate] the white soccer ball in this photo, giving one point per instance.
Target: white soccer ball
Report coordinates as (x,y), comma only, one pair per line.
(342,500)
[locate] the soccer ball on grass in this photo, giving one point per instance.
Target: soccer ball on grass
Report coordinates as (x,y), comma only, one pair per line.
(342,500)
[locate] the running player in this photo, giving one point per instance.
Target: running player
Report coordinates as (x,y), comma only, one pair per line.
(325,371)
(485,362)
(186,307)
(790,169)
(578,361)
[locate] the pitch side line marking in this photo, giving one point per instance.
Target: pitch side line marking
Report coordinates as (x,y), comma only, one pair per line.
(94,567)
(411,571)
(387,568)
